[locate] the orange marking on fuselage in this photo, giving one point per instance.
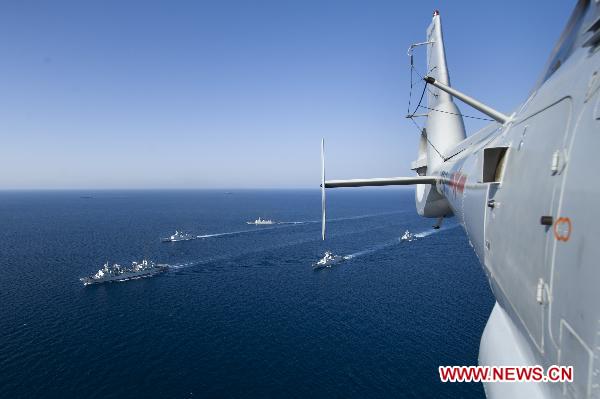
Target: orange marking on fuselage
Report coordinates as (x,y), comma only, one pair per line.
(562,229)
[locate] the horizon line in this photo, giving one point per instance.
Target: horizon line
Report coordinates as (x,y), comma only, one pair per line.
(180,188)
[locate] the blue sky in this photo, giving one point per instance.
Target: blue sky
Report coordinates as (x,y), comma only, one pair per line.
(166,94)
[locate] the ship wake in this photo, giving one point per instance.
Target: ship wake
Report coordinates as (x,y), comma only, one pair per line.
(398,241)
(364,252)
(279,225)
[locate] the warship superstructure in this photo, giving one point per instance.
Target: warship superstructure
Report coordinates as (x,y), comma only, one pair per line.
(260,221)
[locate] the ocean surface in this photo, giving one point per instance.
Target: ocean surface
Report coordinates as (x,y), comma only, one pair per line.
(240,312)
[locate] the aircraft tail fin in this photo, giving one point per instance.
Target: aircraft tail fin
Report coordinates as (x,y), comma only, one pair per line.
(436,60)
(444,127)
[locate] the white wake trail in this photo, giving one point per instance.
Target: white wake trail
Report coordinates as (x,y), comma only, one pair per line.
(367,251)
(232,233)
(294,223)
(429,232)
(397,241)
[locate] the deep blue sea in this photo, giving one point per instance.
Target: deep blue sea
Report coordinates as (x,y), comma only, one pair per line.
(240,313)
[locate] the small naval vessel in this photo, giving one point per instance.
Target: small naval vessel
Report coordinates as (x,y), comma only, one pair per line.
(117,272)
(407,236)
(179,236)
(260,221)
(328,260)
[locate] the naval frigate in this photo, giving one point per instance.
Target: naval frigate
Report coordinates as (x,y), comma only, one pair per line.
(117,272)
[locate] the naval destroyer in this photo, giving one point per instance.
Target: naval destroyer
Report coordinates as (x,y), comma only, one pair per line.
(117,272)
(260,221)
(179,236)
(328,260)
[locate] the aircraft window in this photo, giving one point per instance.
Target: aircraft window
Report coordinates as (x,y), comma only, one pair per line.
(567,40)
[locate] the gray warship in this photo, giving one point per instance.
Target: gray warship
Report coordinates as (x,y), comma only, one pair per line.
(179,236)
(117,272)
(328,260)
(261,221)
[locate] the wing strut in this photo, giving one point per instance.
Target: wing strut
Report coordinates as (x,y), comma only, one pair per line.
(478,105)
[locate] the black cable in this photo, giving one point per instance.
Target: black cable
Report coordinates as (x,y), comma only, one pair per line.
(422,77)
(432,146)
(410,115)
(425,88)
(411,84)
(427,138)
(453,113)
(419,128)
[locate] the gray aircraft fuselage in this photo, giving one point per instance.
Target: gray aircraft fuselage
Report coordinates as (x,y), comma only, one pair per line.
(525,191)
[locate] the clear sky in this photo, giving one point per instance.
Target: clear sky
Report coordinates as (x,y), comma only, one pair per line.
(206,94)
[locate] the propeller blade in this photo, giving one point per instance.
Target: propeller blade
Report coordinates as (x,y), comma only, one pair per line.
(323,208)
